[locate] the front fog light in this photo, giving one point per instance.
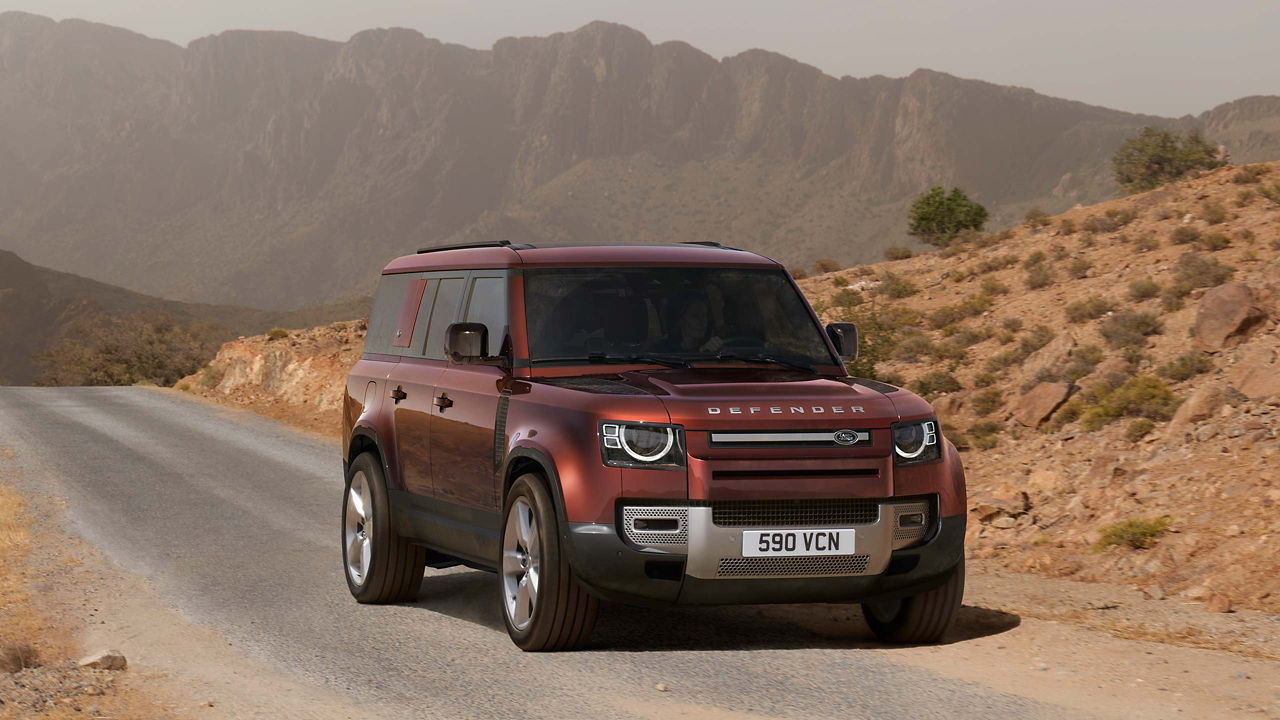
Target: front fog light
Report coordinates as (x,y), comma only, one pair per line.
(641,444)
(916,442)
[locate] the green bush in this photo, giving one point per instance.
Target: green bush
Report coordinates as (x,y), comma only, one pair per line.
(1038,277)
(1215,241)
(1193,271)
(1130,328)
(848,297)
(992,286)
(935,383)
(1036,218)
(1079,268)
(826,265)
(1213,213)
(1184,234)
(1185,366)
(1143,289)
(1035,259)
(897,287)
(877,334)
(1142,396)
(985,435)
(211,376)
(1270,192)
(969,307)
(1083,361)
(1134,534)
(985,379)
(1138,429)
(936,216)
(839,281)
(1157,156)
(143,348)
(898,253)
(1090,308)
(987,401)
(913,348)
(277,334)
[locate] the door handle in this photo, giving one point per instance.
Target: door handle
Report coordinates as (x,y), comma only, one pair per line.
(399,394)
(442,401)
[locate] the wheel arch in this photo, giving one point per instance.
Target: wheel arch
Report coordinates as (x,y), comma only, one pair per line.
(523,460)
(365,439)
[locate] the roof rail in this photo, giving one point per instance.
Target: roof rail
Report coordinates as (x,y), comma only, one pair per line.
(477,244)
(709,243)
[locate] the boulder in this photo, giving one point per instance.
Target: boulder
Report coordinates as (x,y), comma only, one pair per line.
(105,660)
(1037,404)
(1052,356)
(1256,376)
(1225,316)
(1203,404)
(1001,503)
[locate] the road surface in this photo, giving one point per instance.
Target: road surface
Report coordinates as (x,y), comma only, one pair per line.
(233,521)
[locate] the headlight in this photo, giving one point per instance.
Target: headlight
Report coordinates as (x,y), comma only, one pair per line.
(916,442)
(642,445)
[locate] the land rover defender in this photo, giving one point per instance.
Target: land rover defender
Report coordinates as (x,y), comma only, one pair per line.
(644,424)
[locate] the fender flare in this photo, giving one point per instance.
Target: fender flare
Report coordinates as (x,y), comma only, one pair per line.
(548,466)
(371,434)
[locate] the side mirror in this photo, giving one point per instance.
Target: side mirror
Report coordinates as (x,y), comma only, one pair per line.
(845,337)
(466,342)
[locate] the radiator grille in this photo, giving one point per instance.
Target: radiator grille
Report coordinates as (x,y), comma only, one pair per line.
(795,513)
(793,566)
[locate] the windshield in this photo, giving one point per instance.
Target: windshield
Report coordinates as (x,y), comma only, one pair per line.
(669,313)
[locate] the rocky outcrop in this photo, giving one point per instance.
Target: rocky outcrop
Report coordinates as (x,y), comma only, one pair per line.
(1037,404)
(1225,316)
(1256,375)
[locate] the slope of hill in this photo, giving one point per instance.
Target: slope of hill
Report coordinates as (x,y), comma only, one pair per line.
(1044,484)
(201,173)
(38,307)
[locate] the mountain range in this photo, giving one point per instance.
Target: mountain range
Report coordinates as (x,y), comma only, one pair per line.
(280,171)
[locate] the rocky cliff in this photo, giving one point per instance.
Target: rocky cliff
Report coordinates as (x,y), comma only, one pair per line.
(278,170)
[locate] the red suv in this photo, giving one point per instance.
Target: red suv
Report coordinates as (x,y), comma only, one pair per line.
(647,424)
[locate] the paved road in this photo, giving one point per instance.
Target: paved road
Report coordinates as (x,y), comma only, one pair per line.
(233,520)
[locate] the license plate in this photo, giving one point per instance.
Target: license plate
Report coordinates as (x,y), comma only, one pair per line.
(795,543)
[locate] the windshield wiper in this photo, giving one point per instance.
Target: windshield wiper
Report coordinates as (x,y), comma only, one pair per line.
(620,360)
(770,359)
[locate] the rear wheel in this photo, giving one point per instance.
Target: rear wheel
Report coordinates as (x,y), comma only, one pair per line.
(380,566)
(922,618)
(542,603)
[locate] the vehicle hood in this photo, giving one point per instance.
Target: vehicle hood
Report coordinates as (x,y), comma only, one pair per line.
(727,398)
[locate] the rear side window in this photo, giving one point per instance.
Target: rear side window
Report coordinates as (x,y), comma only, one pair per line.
(385,318)
(443,314)
(488,304)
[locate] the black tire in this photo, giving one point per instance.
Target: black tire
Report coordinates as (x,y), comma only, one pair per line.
(918,619)
(564,614)
(395,568)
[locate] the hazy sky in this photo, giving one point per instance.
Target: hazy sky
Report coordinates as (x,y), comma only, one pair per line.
(1166,57)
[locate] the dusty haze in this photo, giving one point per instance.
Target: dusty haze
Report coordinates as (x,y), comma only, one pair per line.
(1170,58)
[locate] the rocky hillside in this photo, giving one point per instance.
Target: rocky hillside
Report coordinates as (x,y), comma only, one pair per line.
(1113,363)
(276,170)
(1110,371)
(38,307)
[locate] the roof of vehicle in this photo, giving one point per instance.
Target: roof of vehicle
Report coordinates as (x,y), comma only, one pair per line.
(501,254)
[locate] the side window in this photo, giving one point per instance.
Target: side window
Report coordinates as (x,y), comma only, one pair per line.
(443,314)
(488,304)
(386,313)
(423,321)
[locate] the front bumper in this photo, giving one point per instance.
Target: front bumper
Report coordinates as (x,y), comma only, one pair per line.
(612,569)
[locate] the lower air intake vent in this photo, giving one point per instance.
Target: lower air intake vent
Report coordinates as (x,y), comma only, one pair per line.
(794,566)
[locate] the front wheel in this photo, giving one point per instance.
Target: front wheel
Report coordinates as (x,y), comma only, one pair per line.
(919,619)
(542,603)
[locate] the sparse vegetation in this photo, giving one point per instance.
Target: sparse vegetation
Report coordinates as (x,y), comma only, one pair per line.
(1079,268)
(1215,241)
(1143,289)
(1142,396)
(1194,270)
(937,217)
(992,286)
(1090,308)
(839,281)
(1184,234)
(985,435)
(1156,157)
(898,253)
(1146,242)
(967,308)
(277,334)
(1038,277)
(1122,216)
(1067,226)
(798,273)
(1249,174)
(897,287)
(1185,366)
(848,298)
(100,349)
(1129,328)
(1134,533)
(987,401)
(1099,224)
(1213,213)
(1036,218)
(1138,429)
(826,265)
(935,383)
